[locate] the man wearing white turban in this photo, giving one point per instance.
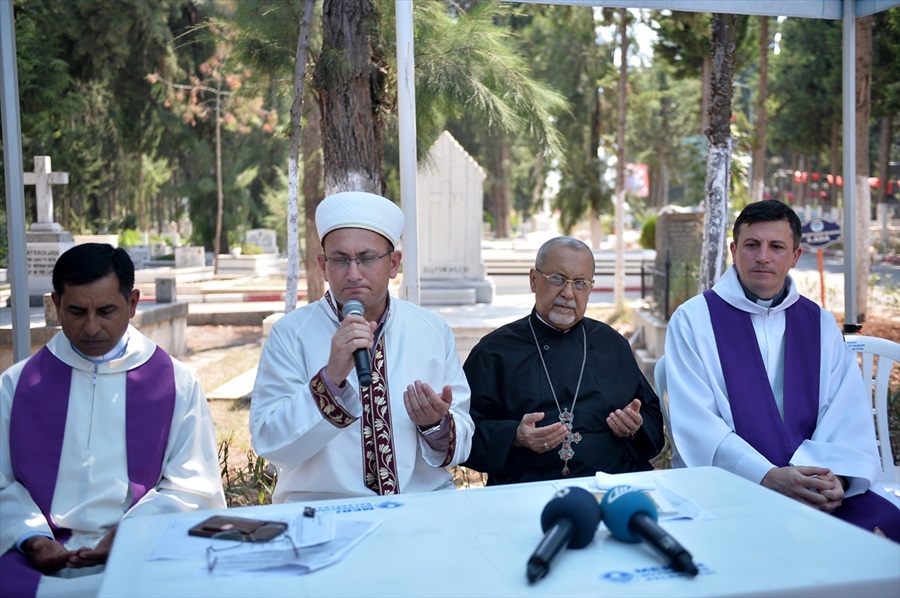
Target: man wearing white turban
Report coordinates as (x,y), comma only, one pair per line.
(330,435)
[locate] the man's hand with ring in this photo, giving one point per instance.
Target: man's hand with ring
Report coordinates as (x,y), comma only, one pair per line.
(626,422)
(539,440)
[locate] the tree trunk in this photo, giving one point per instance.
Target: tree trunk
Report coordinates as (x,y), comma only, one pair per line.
(836,163)
(313,195)
(220,196)
(884,155)
(591,151)
(501,190)
(350,81)
(863,193)
(619,278)
(758,184)
(718,167)
(705,93)
(596,229)
(293,212)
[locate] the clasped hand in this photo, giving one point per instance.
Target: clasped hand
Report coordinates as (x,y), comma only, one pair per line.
(817,487)
(48,556)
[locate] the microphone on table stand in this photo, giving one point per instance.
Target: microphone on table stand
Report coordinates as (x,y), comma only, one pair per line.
(570,519)
(360,356)
(631,517)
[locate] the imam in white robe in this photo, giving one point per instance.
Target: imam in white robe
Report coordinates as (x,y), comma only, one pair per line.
(315,458)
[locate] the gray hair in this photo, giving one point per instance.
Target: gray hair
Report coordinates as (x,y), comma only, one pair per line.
(567,242)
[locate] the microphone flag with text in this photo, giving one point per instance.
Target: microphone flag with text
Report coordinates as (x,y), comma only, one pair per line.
(570,519)
(631,517)
(360,356)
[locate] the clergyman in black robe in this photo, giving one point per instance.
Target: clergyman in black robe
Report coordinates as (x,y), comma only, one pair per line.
(530,424)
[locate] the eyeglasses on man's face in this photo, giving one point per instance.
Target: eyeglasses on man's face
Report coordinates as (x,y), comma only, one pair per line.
(560,281)
(362,261)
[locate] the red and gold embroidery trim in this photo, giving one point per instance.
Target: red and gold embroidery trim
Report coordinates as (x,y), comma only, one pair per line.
(379,464)
(451,450)
(328,406)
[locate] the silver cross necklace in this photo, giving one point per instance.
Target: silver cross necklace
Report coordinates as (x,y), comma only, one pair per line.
(566,416)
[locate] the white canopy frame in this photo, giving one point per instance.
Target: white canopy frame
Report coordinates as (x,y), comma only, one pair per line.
(846,10)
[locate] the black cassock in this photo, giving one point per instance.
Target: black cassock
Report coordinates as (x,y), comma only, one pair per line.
(508,381)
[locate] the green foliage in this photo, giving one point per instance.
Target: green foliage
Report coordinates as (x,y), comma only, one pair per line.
(475,78)
(250,249)
(274,198)
(4,248)
(805,86)
(246,485)
(648,232)
(130,237)
(537,78)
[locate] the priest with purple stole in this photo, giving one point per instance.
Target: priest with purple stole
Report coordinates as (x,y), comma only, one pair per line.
(761,382)
(99,425)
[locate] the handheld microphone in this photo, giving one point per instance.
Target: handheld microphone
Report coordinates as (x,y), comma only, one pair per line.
(360,356)
(569,519)
(631,517)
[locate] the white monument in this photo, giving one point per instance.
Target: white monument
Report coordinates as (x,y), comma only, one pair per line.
(45,241)
(449,186)
(265,238)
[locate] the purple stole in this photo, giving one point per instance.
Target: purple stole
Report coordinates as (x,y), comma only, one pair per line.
(752,401)
(36,431)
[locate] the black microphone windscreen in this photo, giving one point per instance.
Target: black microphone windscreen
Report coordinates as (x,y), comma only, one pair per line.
(578,506)
(619,505)
(353,307)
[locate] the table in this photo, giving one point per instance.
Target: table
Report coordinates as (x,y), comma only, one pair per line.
(476,543)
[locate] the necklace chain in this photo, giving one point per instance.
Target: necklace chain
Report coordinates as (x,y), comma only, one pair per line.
(566,416)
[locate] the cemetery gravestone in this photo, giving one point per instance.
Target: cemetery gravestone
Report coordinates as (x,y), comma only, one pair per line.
(45,241)
(189,256)
(450,192)
(263,237)
(140,255)
(171,235)
(679,234)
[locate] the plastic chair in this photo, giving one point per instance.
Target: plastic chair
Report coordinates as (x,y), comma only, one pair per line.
(659,379)
(878,357)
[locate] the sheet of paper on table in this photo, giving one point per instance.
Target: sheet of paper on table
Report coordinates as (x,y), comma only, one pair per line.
(283,561)
(669,505)
(321,540)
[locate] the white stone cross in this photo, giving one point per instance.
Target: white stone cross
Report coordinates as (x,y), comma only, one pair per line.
(42,178)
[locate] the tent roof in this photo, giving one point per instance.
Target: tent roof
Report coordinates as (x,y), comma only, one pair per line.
(812,9)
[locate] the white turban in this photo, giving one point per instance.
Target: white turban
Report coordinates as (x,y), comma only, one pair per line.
(357,209)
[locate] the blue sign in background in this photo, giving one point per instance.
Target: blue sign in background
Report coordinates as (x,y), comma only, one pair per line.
(818,233)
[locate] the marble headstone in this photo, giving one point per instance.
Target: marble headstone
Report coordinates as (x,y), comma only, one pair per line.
(263,237)
(45,241)
(449,187)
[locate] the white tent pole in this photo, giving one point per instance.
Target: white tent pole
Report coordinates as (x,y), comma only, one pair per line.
(15,185)
(406,112)
(849,117)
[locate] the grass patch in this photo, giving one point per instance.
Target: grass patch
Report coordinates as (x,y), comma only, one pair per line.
(224,364)
(247,484)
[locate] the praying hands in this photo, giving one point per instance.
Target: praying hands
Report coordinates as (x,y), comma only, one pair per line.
(626,422)
(539,439)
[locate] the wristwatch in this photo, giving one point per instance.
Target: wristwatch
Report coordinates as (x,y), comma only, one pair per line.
(429,431)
